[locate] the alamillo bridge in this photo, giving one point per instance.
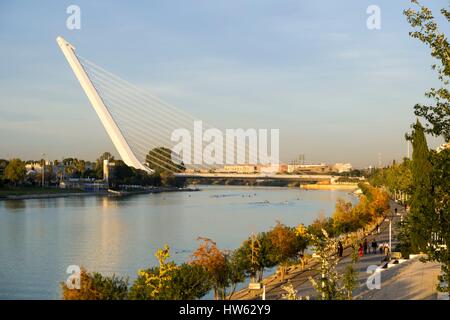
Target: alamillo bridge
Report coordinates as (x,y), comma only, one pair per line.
(137,121)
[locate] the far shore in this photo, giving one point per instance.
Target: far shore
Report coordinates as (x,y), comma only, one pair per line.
(349,186)
(61,193)
(79,193)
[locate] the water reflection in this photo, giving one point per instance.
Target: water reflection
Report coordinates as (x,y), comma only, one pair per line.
(14,205)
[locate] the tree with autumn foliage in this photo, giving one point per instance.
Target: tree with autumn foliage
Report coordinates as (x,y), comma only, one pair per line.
(373,203)
(214,262)
(287,246)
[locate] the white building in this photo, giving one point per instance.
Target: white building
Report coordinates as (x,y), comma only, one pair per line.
(342,167)
(244,168)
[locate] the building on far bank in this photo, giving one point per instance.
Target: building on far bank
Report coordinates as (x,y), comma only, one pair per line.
(341,167)
(308,168)
(36,166)
(319,168)
(243,168)
(272,169)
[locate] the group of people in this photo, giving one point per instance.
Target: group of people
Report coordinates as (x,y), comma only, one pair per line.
(364,248)
(374,248)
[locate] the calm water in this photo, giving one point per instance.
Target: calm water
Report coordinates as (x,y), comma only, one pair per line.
(39,239)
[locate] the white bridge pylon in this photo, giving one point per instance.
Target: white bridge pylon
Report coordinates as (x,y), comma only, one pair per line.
(102,111)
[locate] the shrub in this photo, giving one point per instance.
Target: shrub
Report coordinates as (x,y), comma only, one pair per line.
(97,287)
(188,282)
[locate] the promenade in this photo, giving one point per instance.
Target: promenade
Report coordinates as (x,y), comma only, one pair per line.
(300,278)
(412,280)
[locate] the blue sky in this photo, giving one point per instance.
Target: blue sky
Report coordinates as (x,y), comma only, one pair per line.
(337,91)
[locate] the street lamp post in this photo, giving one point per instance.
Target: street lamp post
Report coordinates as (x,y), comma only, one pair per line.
(390,233)
(390,228)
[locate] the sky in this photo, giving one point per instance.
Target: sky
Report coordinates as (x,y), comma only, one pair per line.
(337,91)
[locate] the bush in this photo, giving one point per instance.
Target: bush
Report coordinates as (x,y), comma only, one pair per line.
(188,282)
(97,287)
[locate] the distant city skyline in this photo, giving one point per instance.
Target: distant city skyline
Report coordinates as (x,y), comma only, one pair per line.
(337,91)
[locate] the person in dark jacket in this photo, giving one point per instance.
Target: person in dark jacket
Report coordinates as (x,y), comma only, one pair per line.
(374,246)
(340,249)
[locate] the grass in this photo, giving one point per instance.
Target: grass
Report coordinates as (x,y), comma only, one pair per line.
(20,191)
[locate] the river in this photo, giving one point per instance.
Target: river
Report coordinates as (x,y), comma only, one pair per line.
(40,238)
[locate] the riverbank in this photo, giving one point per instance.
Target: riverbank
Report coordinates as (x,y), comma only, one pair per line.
(36,192)
(350,186)
(48,193)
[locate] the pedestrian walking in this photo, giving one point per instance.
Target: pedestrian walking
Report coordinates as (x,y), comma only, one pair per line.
(340,249)
(386,249)
(360,250)
(374,246)
(365,246)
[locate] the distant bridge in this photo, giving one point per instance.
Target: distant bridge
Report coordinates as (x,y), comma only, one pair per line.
(262,176)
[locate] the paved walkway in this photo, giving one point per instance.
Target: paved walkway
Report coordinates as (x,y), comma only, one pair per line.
(300,278)
(412,280)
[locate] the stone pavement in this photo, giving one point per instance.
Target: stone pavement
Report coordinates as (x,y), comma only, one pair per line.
(411,280)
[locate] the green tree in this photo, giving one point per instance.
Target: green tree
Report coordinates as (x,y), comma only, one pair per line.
(3,165)
(157,281)
(188,282)
(435,215)
(427,31)
(439,246)
(97,287)
(404,238)
(249,255)
(255,255)
(328,283)
(350,281)
(422,203)
(236,271)
(15,171)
